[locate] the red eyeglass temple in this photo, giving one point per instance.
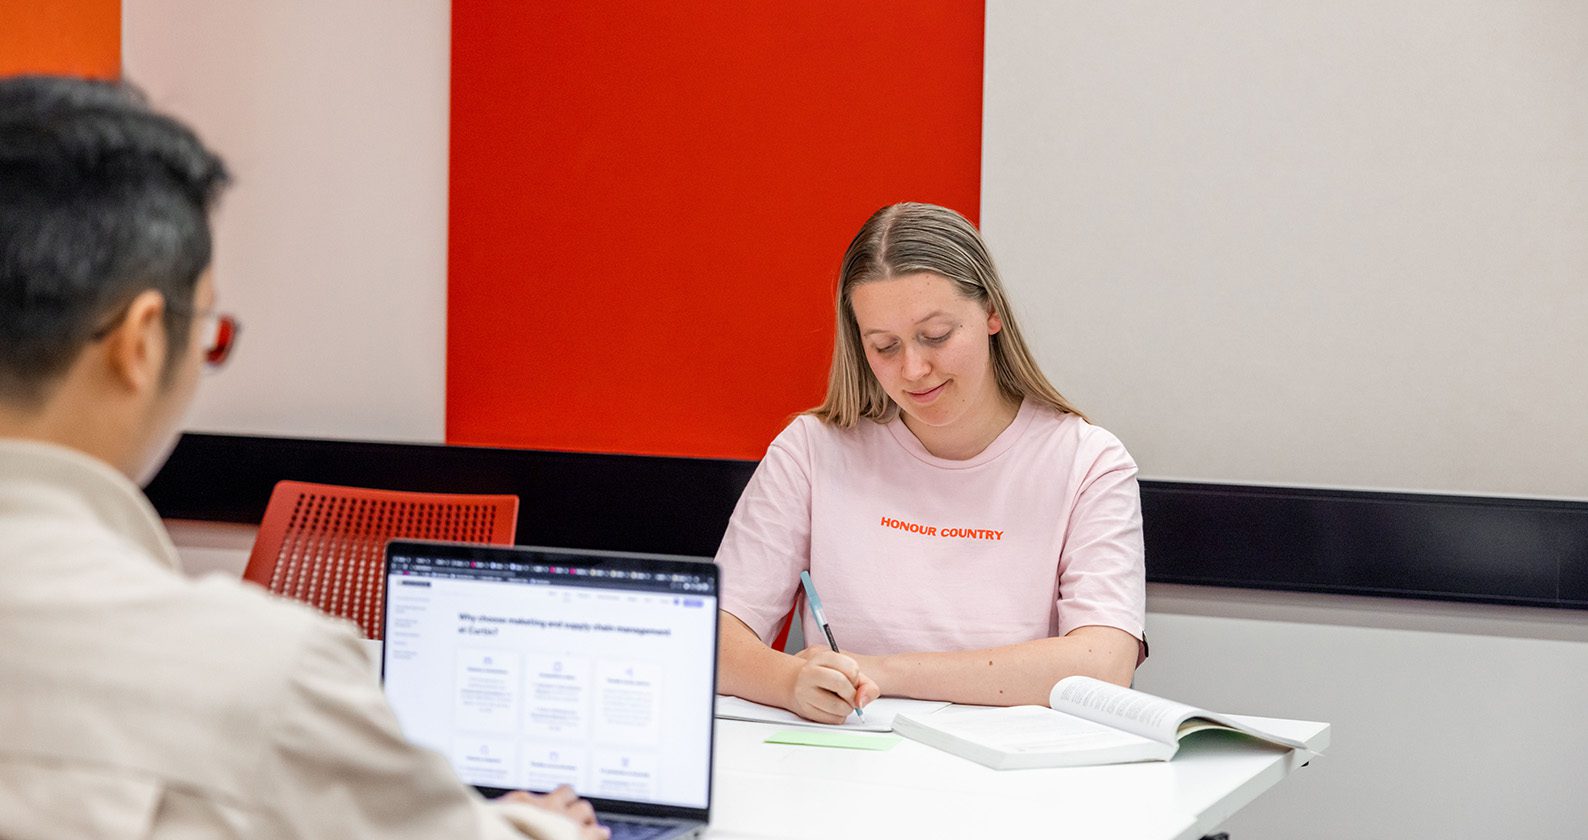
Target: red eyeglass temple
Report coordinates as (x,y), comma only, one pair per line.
(225,332)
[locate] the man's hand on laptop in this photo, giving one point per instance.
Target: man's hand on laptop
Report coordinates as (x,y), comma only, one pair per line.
(565,803)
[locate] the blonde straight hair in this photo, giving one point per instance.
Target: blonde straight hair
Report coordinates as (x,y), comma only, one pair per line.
(911,238)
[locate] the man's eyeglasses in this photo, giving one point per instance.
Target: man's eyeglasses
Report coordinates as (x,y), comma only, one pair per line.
(217,331)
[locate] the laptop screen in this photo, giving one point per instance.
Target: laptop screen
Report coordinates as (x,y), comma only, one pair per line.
(531,668)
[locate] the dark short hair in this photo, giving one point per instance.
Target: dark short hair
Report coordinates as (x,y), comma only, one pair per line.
(101,199)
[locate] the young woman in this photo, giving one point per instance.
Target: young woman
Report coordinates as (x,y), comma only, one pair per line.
(972,537)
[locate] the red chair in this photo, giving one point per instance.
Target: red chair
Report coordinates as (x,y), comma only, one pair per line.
(780,640)
(324,545)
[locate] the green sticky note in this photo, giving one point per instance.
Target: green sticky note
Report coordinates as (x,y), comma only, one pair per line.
(834,738)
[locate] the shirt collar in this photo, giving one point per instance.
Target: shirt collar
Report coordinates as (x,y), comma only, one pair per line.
(45,480)
(1000,444)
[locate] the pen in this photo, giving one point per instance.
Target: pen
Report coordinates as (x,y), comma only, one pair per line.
(821,618)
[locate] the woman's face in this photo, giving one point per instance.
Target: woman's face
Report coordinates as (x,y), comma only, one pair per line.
(929,347)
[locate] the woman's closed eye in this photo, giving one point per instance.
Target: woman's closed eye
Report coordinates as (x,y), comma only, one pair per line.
(890,349)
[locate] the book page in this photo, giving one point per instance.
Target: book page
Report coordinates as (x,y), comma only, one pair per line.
(1205,720)
(1145,714)
(879,714)
(1125,708)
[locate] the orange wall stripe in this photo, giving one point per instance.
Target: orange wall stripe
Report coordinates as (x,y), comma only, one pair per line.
(649,202)
(67,37)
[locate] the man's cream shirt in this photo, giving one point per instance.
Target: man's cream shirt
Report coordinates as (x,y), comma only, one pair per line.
(136,702)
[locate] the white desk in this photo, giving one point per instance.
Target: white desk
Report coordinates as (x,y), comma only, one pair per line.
(771,790)
(763,790)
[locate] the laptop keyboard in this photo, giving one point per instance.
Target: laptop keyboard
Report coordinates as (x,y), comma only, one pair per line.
(623,830)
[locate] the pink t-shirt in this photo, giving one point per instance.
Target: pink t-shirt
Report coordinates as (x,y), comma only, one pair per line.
(1034,537)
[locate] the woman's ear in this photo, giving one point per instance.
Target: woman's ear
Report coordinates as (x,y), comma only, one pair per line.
(136,347)
(994,323)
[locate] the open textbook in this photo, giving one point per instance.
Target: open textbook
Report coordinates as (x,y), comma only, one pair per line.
(1089,722)
(879,715)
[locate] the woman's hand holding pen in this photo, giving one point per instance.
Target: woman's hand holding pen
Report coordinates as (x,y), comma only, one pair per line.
(829,686)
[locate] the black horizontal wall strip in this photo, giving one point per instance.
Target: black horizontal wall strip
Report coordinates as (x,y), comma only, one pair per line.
(1464,548)
(568,499)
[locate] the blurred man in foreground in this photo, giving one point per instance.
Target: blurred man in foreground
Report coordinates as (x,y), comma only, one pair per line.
(134,701)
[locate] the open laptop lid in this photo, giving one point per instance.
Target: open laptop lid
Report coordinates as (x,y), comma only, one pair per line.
(533,667)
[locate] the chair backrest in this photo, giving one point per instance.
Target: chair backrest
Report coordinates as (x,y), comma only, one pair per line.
(325,545)
(786,625)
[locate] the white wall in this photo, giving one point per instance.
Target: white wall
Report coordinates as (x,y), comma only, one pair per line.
(1449,720)
(1320,243)
(1327,244)
(331,246)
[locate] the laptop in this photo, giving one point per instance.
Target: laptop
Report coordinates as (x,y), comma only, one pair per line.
(529,668)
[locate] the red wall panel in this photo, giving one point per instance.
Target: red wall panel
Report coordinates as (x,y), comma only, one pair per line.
(70,37)
(649,202)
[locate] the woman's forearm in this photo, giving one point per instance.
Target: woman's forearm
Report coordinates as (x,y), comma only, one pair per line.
(1011,675)
(747,668)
